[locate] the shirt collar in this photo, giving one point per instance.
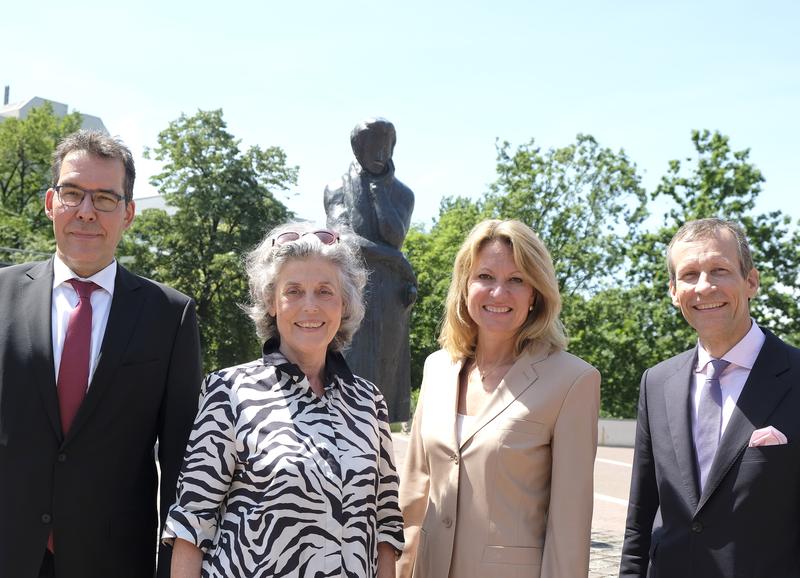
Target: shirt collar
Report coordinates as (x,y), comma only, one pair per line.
(743,354)
(335,364)
(105,278)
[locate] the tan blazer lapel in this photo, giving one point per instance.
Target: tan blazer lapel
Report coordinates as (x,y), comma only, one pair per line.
(448,402)
(518,379)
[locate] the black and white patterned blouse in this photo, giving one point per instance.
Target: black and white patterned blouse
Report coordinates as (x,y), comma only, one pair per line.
(278,482)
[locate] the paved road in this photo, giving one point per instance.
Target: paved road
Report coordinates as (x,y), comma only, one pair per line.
(612,472)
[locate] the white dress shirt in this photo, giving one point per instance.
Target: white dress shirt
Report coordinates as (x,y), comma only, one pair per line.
(65,300)
(741,356)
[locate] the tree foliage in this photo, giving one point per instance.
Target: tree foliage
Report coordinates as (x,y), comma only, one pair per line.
(432,254)
(588,206)
(584,201)
(223,201)
(26,151)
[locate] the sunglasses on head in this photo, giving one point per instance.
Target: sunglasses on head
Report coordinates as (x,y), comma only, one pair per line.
(325,237)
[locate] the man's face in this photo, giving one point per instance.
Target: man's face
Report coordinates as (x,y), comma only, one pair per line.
(711,292)
(86,239)
(374,151)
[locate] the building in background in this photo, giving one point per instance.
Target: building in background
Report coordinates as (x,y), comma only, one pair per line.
(21,109)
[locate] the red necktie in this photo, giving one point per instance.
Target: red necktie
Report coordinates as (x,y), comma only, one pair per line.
(73,373)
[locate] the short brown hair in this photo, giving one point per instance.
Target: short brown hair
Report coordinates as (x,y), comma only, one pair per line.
(99,144)
(459,333)
(709,229)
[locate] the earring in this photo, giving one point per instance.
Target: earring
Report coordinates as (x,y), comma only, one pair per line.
(530,308)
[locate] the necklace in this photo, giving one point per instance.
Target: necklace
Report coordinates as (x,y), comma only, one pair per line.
(483,373)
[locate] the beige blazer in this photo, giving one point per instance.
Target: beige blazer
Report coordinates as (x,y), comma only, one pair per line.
(514,498)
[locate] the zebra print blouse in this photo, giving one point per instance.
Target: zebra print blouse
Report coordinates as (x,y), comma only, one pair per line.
(278,482)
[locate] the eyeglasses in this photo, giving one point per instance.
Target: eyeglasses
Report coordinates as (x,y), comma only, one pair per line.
(325,236)
(72,196)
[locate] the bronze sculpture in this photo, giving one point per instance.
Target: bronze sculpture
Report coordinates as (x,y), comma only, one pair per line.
(372,209)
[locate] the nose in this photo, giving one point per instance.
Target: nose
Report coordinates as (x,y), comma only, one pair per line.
(310,302)
(498,289)
(704,283)
(86,210)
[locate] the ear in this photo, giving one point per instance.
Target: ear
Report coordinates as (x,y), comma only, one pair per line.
(48,203)
(130,212)
(752,283)
(673,293)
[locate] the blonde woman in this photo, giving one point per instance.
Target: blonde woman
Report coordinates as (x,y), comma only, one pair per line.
(498,477)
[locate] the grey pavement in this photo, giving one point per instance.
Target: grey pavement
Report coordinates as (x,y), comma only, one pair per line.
(612,473)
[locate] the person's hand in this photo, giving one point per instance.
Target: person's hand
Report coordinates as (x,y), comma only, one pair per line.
(386,560)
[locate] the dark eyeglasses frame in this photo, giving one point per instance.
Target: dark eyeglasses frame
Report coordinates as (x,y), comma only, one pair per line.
(90,192)
(325,237)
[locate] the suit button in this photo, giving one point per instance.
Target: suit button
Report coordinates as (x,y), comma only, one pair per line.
(447,522)
(62,458)
(454,457)
(46,518)
(697,527)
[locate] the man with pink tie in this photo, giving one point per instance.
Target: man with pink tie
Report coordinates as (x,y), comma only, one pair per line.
(96,365)
(715,490)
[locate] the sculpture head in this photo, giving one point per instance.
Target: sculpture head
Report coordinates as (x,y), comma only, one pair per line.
(373,143)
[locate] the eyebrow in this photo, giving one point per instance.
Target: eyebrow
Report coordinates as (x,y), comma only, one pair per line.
(71,184)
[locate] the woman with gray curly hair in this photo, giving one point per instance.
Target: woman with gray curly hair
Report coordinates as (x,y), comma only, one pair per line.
(289,468)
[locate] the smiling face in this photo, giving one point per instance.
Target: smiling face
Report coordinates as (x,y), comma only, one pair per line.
(711,292)
(498,297)
(86,239)
(307,308)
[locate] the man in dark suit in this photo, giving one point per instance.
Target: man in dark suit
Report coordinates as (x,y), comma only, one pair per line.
(715,490)
(96,365)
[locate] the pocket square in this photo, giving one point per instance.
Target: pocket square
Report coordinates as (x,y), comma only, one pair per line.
(767,436)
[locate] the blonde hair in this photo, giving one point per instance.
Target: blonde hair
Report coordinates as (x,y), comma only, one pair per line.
(459,333)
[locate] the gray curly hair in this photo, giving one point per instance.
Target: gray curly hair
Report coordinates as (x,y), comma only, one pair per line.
(265,263)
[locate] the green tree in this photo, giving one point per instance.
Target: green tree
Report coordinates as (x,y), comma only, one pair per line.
(645,328)
(587,204)
(224,202)
(584,201)
(432,254)
(26,150)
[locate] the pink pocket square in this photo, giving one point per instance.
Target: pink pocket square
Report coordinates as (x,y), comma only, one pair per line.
(767,436)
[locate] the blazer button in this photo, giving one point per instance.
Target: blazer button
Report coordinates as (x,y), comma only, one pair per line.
(447,522)
(62,457)
(46,518)
(697,527)
(454,457)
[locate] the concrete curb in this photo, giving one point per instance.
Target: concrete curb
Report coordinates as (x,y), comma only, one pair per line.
(616,432)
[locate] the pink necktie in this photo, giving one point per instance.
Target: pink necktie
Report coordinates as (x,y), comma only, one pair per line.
(73,373)
(709,418)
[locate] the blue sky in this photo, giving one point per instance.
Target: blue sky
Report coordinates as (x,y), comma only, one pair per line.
(452,76)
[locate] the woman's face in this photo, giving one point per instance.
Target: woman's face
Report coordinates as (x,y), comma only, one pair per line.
(498,297)
(307,307)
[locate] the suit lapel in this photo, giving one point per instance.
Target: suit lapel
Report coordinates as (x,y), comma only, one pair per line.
(36,297)
(677,397)
(125,307)
(519,378)
(447,400)
(762,392)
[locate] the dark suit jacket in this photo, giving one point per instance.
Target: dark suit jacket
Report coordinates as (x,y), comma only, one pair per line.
(746,522)
(96,488)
